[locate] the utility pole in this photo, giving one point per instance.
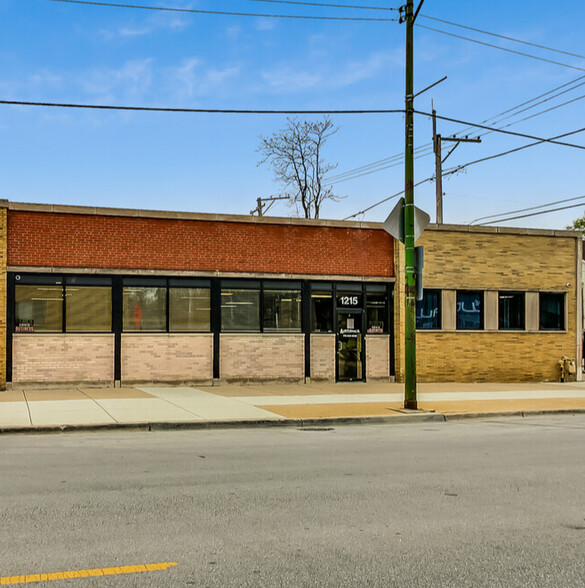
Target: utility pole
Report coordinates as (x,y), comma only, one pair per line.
(437,147)
(410,401)
(260,204)
(438,171)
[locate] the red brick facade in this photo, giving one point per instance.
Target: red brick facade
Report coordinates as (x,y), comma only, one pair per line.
(49,239)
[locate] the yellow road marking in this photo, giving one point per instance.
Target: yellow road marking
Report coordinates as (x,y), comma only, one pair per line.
(152,567)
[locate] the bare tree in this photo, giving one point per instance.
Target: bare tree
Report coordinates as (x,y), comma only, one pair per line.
(295,156)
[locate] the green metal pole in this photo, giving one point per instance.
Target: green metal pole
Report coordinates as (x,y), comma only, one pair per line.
(410,401)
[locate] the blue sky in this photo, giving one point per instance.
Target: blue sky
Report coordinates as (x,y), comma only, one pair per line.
(59,52)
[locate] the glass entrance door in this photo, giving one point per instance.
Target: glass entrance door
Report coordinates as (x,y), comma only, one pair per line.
(349,346)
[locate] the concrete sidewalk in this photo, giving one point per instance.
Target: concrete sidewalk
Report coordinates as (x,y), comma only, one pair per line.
(29,409)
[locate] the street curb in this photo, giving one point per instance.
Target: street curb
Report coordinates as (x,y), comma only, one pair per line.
(301,424)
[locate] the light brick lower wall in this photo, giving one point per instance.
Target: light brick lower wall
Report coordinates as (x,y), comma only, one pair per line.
(3,250)
(62,358)
(377,357)
(262,357)
(490,357)
(323,357)
(167,358)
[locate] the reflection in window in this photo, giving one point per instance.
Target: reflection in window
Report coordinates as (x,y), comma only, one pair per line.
(282,310)
(428,310)
(240,310)
(552,311)
(469,310)
(376,313)
(144,309)
(88,309)
(38,309)
(511,311)
(189,309)
(321,312)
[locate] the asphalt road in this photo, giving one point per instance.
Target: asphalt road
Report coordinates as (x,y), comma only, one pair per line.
(476,503)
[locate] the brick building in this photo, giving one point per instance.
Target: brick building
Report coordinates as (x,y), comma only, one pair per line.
(110,295)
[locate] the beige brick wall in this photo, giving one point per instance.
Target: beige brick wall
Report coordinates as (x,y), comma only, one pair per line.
(377,357)
(167,357)
(62,358)
(484,260)
(262,357)
(488,357)
(323,357)
(3,245)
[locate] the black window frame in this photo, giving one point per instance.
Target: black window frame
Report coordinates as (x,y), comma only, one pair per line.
(428,292)
(501,318)
(25,279)
(562,314)
(481,294)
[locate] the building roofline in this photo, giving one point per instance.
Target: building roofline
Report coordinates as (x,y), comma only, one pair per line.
(267,220)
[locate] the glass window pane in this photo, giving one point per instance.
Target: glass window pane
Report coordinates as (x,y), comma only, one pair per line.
(88,309)
(376,313)
(190,309)
(321,312)
(552,311)
(282,310)
(511,310)
(428,310)
(469,310)
(38,309)
(240,310)
(145,309)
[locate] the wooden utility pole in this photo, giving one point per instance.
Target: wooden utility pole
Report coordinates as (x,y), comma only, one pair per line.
(438,171)
(437,148)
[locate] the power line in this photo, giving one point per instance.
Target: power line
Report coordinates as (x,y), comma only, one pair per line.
(495,35)
(503,220)
(487,45)
(225,13)
(502,131)
(490,216)
(321,4)
(196,110)
(377,166)
(385,200)
(490,157)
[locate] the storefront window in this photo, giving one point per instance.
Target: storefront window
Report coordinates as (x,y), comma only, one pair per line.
(282,310)
(552,311)
(321,312)
(469,310)
(376,313)
(511,311)
(38,309)
(88,309)
(144,309)
(428,310)
(240,310)
(189,309)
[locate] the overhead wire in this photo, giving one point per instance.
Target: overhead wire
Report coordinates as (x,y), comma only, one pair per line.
(458,168)
(197,110)
(503,220)
(502,131)
(507,38)
(385,200)
(323,4)
(492,46)
(226,13)
(380,165)
(491,216)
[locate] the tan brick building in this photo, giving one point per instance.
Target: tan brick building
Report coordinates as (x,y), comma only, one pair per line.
(499,266)
(111,295)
